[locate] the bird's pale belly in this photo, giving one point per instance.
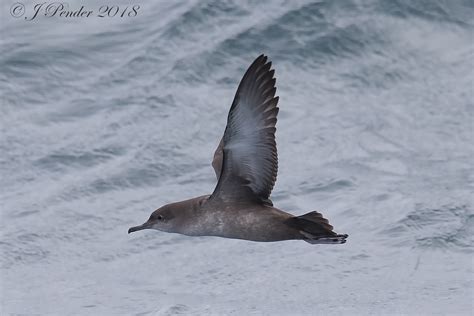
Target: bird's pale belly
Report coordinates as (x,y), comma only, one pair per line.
(249,224)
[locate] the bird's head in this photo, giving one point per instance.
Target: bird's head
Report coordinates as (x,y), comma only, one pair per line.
(162,219)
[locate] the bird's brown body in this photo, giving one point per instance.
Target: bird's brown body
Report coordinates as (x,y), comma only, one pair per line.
(242,221)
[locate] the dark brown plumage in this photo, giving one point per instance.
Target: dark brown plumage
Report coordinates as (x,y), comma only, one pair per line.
(247,154)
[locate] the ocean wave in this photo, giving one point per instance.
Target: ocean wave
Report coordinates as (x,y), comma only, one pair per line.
(445,228)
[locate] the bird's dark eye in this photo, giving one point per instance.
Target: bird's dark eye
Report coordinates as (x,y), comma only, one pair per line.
(160,217)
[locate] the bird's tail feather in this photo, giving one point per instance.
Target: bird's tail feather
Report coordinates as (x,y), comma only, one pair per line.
(315,229)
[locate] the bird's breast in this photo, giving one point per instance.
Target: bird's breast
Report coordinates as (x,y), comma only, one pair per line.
(241,223)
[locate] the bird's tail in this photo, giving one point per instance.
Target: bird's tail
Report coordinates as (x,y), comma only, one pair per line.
(315,229)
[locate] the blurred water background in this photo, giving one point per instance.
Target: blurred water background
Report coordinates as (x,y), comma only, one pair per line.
(103,120)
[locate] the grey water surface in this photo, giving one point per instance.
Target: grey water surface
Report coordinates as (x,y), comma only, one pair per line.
(103,120)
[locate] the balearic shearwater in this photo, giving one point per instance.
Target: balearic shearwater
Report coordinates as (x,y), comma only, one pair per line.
(246,164)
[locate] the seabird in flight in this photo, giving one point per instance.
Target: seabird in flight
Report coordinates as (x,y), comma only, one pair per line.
(246,166)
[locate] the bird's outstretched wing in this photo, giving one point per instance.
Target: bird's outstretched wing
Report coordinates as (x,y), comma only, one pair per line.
(246,161)
(217,160)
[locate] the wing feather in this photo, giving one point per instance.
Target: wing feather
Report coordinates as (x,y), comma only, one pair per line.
(246,160)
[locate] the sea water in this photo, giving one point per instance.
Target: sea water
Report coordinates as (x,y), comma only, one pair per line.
(105,119)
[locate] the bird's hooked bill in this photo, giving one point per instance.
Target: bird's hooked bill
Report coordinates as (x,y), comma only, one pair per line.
(137,228)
